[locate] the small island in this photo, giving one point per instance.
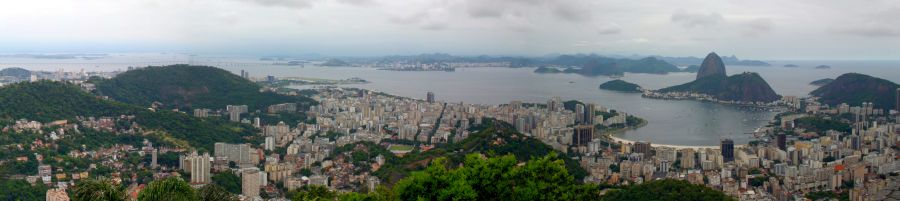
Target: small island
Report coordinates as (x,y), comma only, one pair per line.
(621,86)
(544,69)
(335,62)
(791,66)
(823,67)
(821,82)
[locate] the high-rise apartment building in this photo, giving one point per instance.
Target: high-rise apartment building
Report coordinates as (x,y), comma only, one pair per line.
(198,166)
(727,148)
(583,135)
(250,183)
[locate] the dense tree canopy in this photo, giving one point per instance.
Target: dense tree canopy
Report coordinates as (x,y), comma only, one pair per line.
(185,86)
(47,101)
(97,190)
(666,190)
(172,188)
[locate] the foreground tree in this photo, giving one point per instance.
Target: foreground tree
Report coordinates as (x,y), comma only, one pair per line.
(544,178)
(171,189)
(97,190)
(212,192)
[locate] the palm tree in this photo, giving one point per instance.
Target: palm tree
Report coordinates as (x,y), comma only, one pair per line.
(98,190)
(169,189)
(212,192)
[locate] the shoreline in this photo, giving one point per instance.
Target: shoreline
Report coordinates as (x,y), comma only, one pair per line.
(677,147)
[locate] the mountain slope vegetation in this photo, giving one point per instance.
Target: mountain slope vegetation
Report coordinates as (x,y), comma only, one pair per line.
(855,88)
(186,86)
(493,138)
(47,101)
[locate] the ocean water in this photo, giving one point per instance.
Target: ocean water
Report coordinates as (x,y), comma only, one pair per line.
(675,122)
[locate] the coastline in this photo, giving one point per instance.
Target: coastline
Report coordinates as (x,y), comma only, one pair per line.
(651,94)
(677,147)
(613,138)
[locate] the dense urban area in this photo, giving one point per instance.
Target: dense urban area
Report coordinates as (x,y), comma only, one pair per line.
(109,136)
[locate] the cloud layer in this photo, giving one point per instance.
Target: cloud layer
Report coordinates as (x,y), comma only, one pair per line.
(759,29)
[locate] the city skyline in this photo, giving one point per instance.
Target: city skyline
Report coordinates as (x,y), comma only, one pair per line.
(526,28)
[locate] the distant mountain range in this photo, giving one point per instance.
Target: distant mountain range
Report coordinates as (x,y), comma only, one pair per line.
(855,88)
(728,60)
(594,65)
(712,80)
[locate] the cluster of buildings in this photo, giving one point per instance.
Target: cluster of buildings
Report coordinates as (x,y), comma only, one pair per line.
(787,163)
(676,95)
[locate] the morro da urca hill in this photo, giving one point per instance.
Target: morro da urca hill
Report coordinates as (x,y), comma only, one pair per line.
(855,88)
(712,80)
(185,86)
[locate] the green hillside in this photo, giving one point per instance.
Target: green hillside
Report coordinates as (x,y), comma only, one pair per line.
(621,86)
(667,189)
(493,138)
(47,101)
(185,86)
(855,88)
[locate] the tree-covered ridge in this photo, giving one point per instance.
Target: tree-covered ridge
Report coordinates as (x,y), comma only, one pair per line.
(855,88)
(506,178)
(820,125)
(821,82)
(492,138)
(186,86)
(544,69)
(48,101)
(666,190)
(594,65)
(481,178)
(621,86)
(19,73)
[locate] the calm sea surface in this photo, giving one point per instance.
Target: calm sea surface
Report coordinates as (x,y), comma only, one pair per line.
(670,121)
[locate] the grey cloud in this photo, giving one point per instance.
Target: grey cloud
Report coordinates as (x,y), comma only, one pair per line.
(409,19)
(757,27)
(359,2)
(691,20)
(877,24)
(283,3)
(485,10)
(434,26)
(571,11)
(609,29)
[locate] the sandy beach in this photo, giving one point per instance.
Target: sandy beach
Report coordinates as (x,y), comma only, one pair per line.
(677,147)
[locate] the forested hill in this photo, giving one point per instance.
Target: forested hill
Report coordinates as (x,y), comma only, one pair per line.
(186,86)
(46,101)
(855,88)
(493,138)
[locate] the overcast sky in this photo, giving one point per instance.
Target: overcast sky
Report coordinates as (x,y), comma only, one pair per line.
(758,29)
